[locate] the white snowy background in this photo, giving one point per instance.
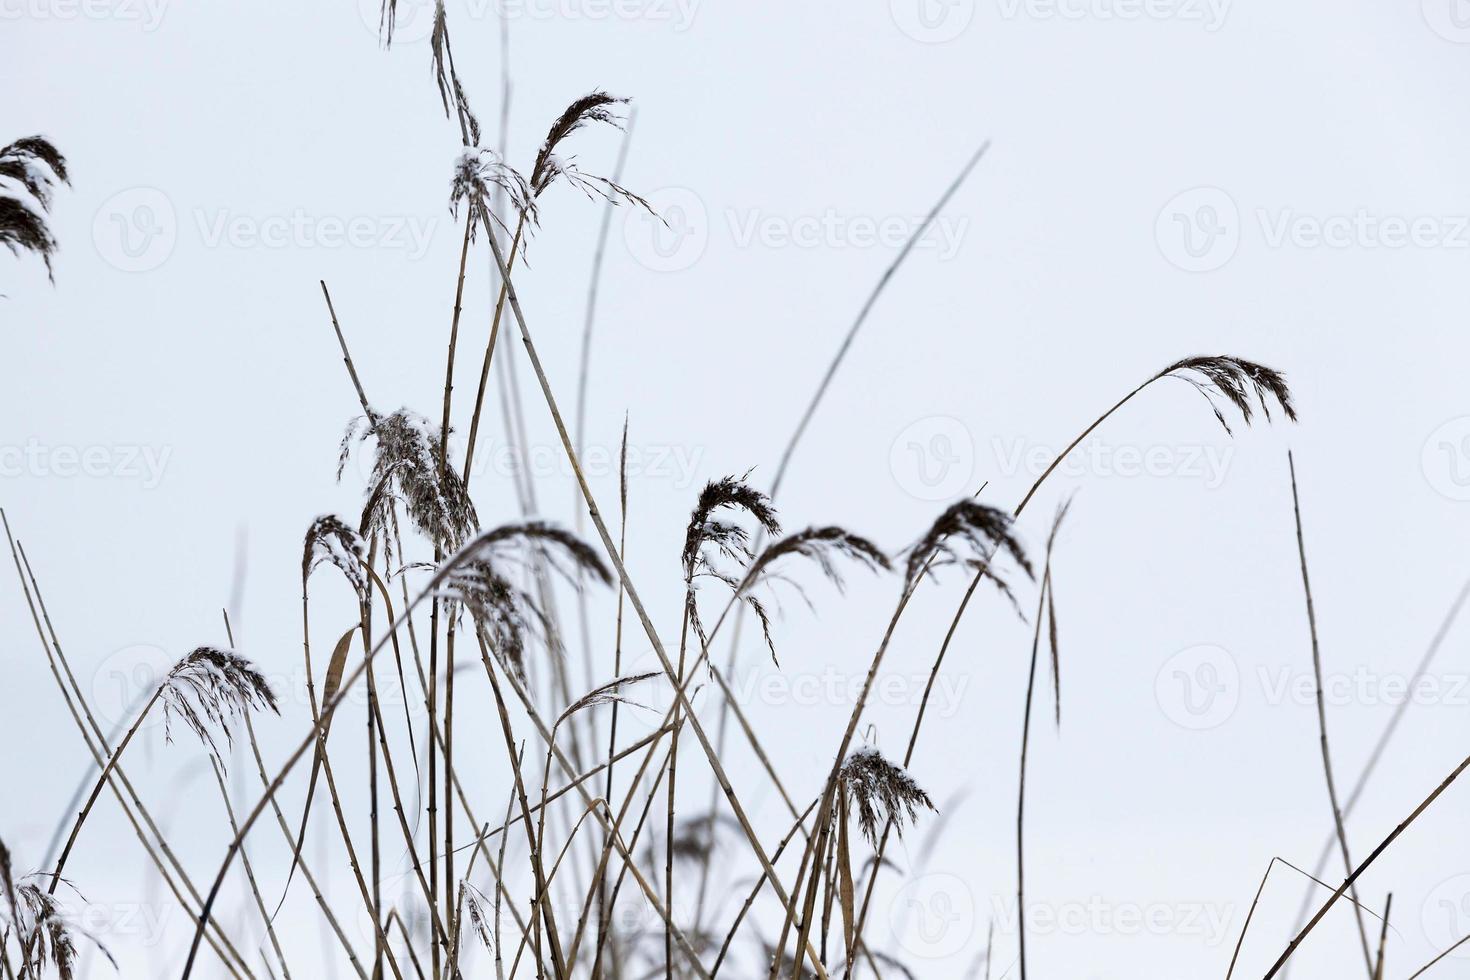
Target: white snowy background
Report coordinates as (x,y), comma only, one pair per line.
(1286,182)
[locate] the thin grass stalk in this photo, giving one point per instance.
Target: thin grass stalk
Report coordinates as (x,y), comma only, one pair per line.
(311,882)
(417,865)
(1322,714)
(824,814)
(270,928)
(632,593)
(760,883)
(515,244)
(599,889)
(1021,784)
(365,613)
(102,780)
(623,850)
(1357,872)
(77,707)
(542,915)
(1446,952)
(329,708)
(605,910)
(1384,737)
(464,253)
(364,889)
(1383,938)
(831,372)
(672,792)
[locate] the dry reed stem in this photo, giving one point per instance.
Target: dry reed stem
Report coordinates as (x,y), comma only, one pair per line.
(1342,843)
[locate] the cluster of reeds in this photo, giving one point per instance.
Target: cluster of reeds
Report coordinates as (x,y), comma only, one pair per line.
(443,592)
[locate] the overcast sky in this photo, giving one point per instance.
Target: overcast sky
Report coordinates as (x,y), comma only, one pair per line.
(1285,182)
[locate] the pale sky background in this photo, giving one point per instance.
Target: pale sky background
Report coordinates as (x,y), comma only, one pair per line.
(1285,182)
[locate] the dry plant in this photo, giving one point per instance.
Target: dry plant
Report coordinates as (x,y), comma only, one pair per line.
(541,892)
(29,170)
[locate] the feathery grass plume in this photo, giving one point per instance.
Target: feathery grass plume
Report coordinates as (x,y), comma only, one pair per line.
(46,935)
(1236,380)
(29,167)
(881,791)
(594,107)
(478,174)
(708,532)
(697,837)
(331,541)
(447,78)
(406,470)
(475,902)
(966,522)
(505,612)
(209,688)
(7,884)
(822,545)
(609,693)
